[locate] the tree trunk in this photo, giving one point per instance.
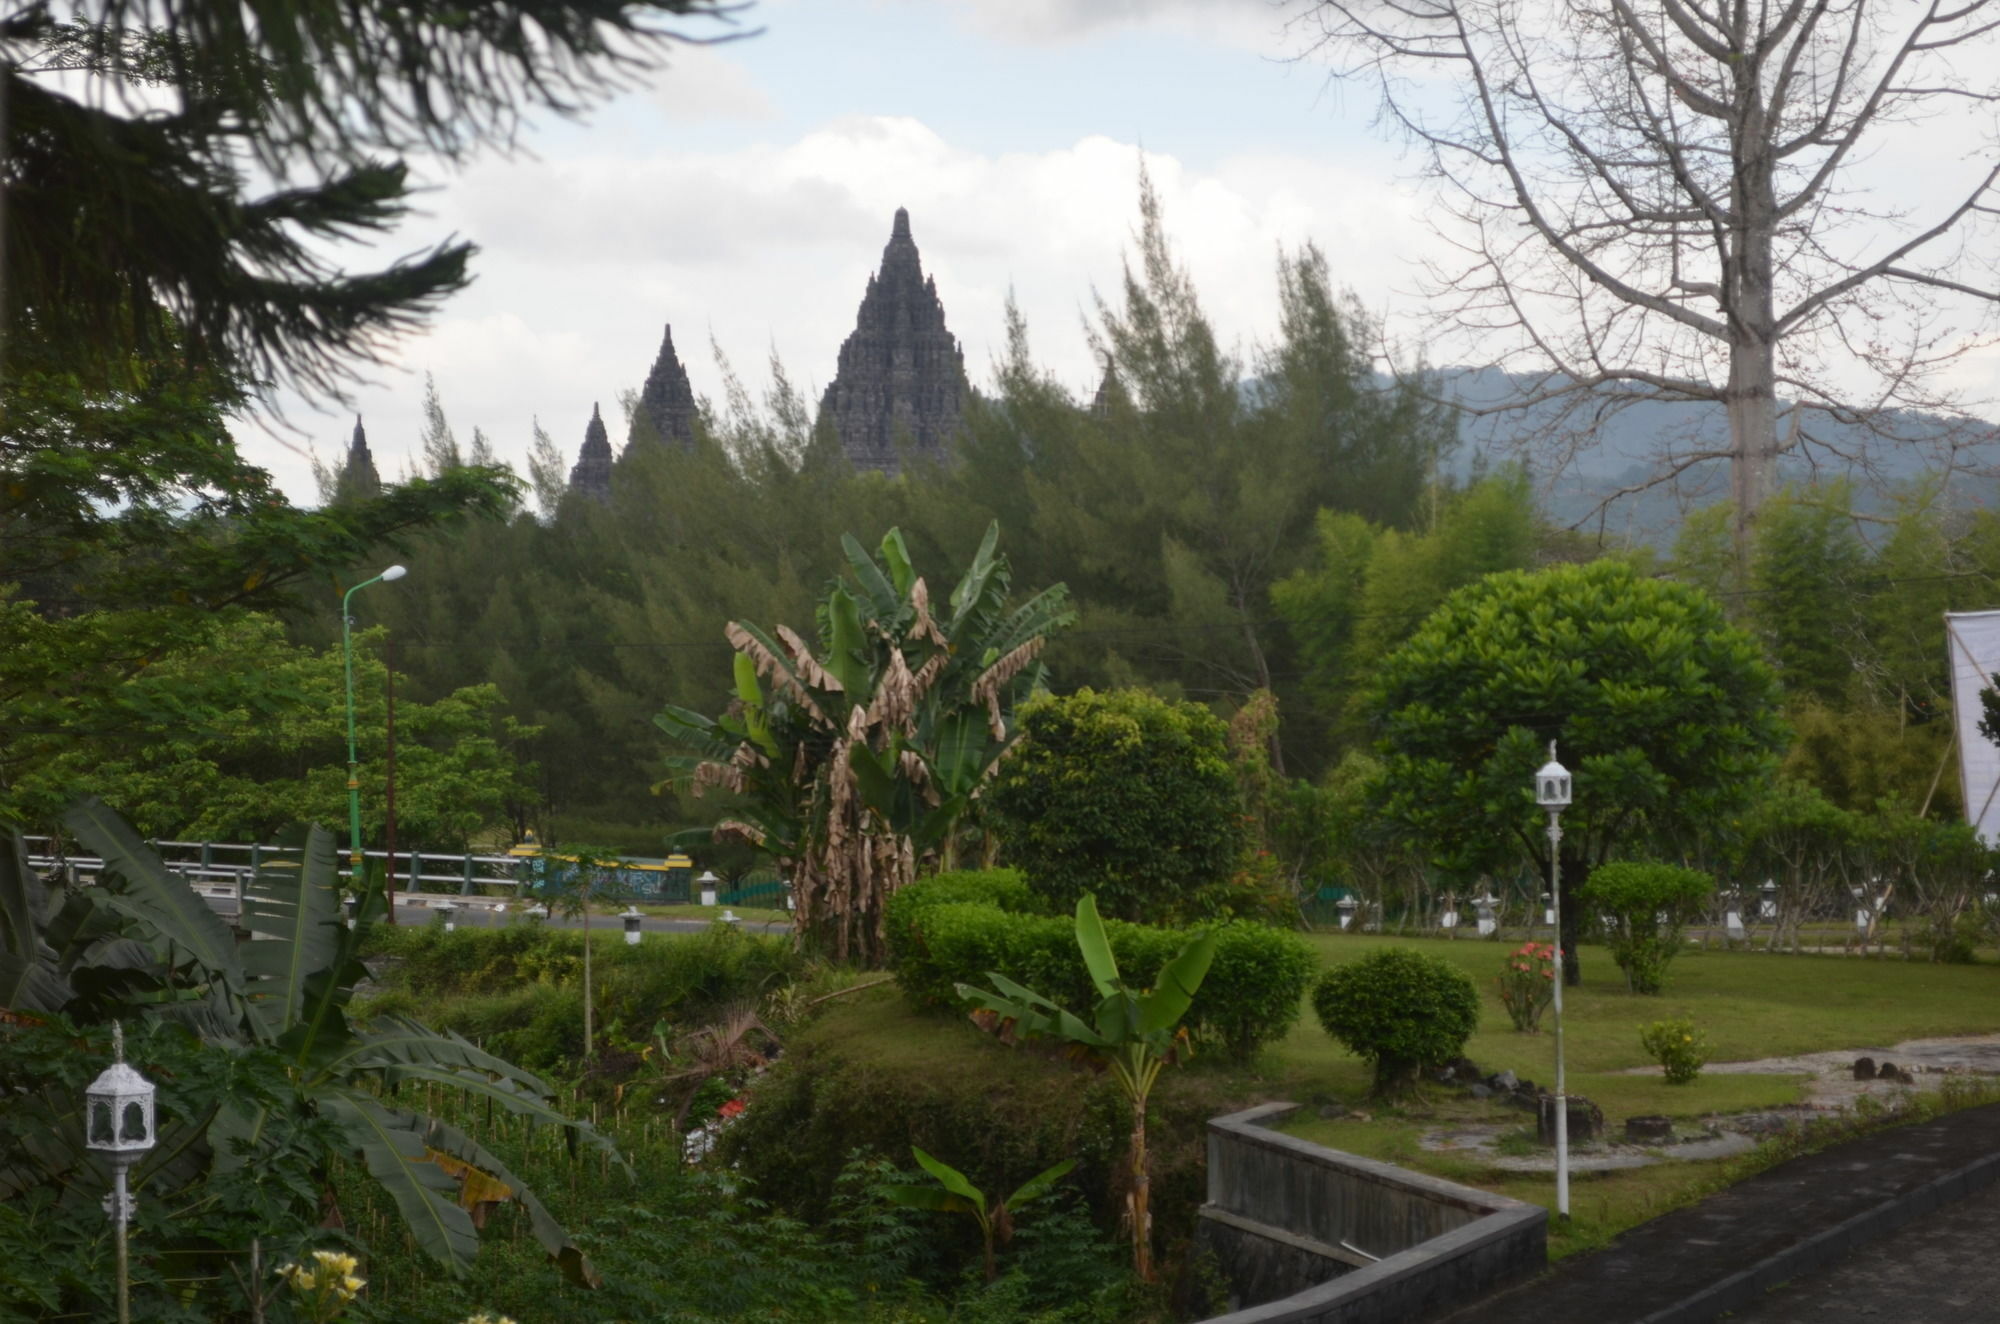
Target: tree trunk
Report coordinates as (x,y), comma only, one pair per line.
(1751,397)
(586,968)
(1139,1203)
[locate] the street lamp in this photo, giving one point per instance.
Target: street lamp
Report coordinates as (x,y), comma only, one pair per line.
(389,576)
(1552,792)
(118,1122)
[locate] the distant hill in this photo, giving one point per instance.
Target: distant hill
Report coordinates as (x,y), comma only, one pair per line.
(1622,450)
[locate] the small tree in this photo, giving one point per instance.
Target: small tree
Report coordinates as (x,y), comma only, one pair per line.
(1645,907)
(1401,1010)
(581,870)
(1136,1034)
(955,1195)
(1665,712)
(1121,795)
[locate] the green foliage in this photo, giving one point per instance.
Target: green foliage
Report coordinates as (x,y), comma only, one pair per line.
(956,1195)
(1527,984)
(1371,587)
(1804,572)
(1004,889)
(1135,1033)
(871,752)
(1122,795)
(142,943)
(245,735)
(1644,907)
(1678,1047)
(519,989)
(1400,1009)
(1665,715)
(1251,997)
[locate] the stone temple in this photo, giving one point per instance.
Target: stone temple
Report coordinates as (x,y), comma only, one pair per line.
(901,386)
(592,475)
(899,391)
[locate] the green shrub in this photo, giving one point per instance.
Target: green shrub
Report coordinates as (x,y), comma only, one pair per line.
(1400,1009)
(1122,794)
(519,990)
(1678,1047)
(1251,996)
(1002,888)
(1644,907)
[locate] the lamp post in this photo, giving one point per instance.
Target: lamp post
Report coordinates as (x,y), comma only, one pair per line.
(1552,793)
(118,1122)
(389,576)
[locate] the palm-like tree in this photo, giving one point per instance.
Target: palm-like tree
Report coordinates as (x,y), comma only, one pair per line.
(860,759)
(142,942)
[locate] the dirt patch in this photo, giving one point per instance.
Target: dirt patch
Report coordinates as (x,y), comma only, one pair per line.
(1830,1080)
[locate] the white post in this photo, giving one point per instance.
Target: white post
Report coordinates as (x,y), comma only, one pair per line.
(1562,1099)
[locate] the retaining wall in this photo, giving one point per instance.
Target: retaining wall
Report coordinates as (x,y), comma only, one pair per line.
(1309,1235)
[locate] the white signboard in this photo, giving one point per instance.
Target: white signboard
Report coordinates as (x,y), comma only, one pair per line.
(1974,640)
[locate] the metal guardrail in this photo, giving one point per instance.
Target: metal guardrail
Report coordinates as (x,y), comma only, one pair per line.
(220,866)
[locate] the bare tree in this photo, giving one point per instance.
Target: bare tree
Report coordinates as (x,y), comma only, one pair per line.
(1690,200)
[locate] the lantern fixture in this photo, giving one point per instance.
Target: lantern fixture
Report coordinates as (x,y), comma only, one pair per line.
(1346,906)
(1552,787)
(118,1106)
(708,883)
(631,916)
(448,912)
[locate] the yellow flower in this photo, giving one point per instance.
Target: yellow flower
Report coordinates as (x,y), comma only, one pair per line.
(1687,1038)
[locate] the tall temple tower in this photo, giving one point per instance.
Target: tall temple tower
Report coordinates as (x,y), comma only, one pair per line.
(667,400)
(592,475)
(358,479)
(901,379)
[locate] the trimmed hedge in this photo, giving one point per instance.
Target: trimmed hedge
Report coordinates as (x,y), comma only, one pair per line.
(1004,888)
(1399,1008)
(1252,994)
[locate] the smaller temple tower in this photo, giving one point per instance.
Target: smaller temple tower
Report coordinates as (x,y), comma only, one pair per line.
(592,475)
(666,401)
(358,479)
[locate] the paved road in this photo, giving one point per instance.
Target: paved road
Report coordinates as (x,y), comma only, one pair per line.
(1939,1269)
(480,917)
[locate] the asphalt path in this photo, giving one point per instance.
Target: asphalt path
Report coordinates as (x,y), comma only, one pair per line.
(482,917)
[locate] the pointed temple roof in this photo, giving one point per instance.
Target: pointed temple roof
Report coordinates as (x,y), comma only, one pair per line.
(901,379)
(592,475)
(666,402)
(358,478)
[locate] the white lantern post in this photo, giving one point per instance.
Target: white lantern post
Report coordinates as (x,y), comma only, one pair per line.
(118,1122)
(1552,793)
(709,884)
(632,917)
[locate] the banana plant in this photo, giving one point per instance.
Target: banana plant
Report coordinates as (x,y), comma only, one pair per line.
(1133,1033)
(144,938)
(857,758)
(955,1195)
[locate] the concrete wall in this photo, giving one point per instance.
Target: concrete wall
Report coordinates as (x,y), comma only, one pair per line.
(1309,1235)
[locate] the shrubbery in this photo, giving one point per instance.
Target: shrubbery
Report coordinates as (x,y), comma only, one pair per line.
(1644,908)
(1122,794)
(1251,996)
(1679,1048)
(1004,888)
(519,989)
(1400,1009)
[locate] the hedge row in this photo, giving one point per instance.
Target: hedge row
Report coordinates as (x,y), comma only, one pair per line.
(1252,994)
(1006,889)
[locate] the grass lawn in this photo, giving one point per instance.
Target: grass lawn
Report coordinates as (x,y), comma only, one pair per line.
(1748,1004)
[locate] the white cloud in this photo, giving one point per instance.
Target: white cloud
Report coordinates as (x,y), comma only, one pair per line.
(770,246)
(1251,24)
(707,82)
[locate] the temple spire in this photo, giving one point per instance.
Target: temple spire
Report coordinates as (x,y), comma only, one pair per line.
(592,475)
(901,382)
(666,402)
(358,479)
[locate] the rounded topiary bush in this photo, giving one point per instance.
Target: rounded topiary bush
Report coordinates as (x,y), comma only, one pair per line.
(1400,1009)
(1643,907)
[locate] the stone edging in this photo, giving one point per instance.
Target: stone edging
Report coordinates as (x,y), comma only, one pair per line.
(1502,1240)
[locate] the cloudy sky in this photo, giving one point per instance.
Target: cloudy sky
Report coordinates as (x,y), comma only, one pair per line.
(745,193)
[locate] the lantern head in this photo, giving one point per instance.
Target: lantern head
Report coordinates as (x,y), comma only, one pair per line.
(1552,789)
(118,1106)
